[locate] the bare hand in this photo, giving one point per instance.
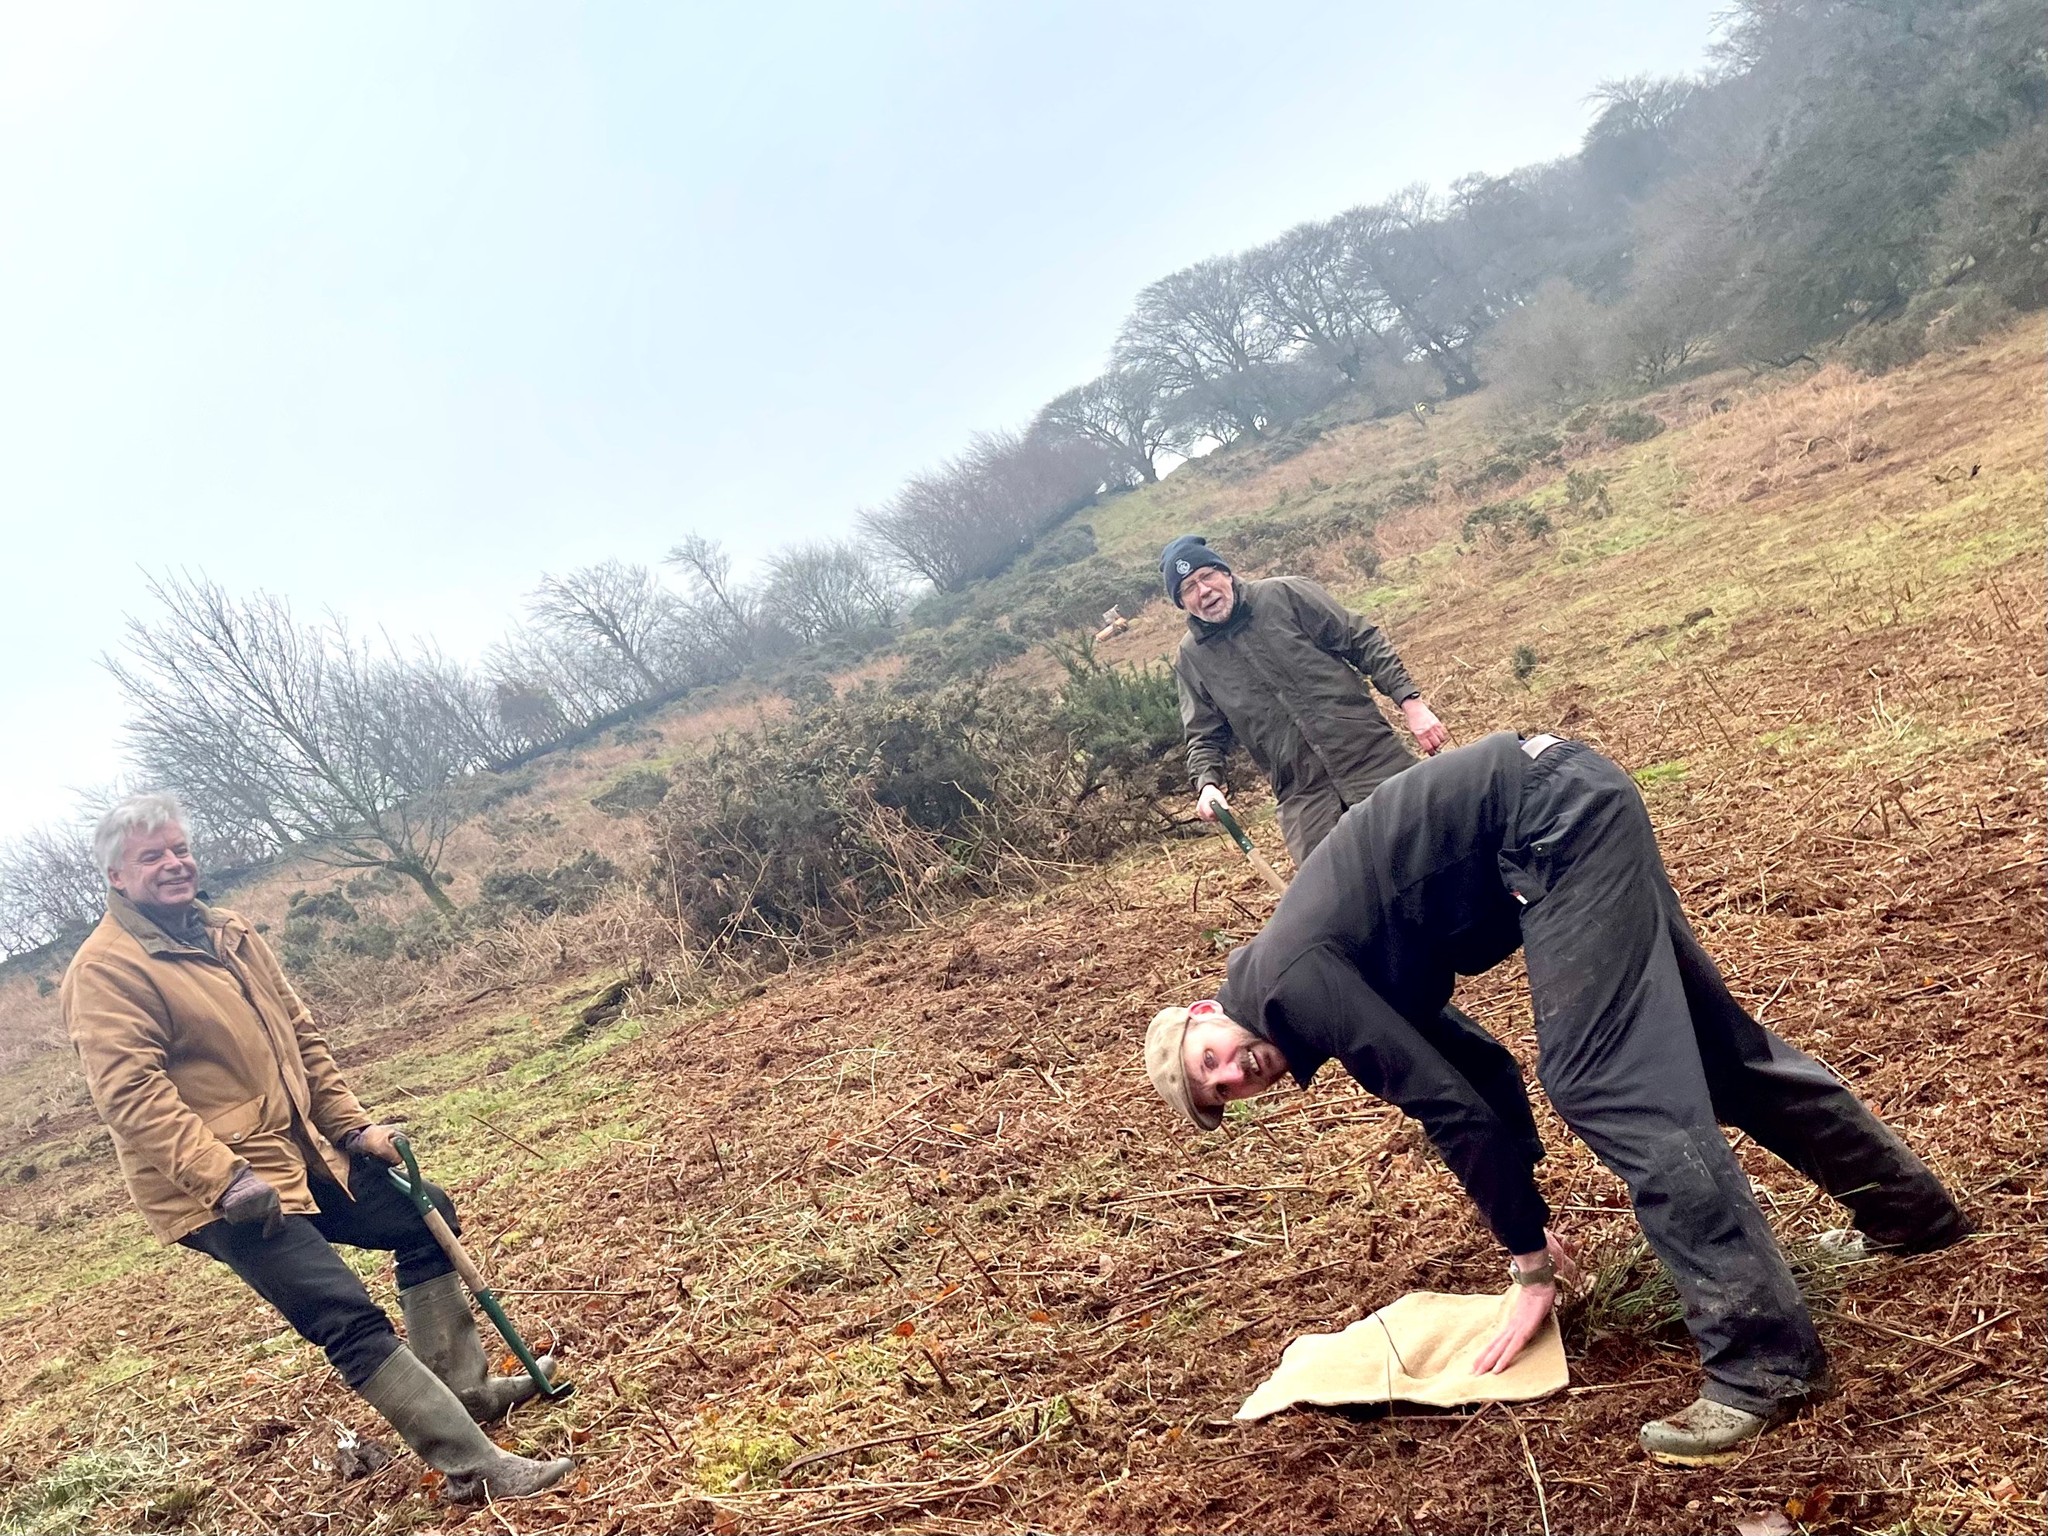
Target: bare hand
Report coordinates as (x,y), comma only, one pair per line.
(1525,1320)
(1210,801)
(1533,1303)
(376,1141)
(1423,725)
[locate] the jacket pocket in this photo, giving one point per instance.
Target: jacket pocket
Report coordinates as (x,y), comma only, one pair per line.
(239,1123)
(1526,871)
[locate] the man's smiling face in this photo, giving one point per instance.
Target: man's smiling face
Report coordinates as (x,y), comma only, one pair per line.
(156,868)
(1224,1061)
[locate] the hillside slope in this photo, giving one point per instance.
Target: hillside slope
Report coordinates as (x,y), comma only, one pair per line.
(904,1239)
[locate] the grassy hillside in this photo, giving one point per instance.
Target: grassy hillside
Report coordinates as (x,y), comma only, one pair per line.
(902,1238)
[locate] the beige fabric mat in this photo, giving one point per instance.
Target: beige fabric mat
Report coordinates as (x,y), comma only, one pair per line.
(1435,1338)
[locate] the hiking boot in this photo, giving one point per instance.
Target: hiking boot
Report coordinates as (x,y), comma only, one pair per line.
(442,1332)
(431,1419)
(1708,1434)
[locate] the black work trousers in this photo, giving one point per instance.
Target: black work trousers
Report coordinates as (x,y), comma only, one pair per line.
(299,1273)
(1642,1050)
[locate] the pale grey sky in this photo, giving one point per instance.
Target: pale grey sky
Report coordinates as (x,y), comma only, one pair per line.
(390,309)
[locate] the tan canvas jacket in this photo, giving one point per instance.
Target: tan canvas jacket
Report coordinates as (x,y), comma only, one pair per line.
(202,1066)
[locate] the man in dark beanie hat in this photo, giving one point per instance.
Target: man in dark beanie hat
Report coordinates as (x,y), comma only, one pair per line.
(1282,667)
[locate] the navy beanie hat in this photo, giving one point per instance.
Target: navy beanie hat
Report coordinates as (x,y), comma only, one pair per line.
(1182,558)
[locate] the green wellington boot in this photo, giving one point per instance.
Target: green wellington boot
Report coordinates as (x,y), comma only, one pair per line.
(431,1419)
(1708,1434)
(442,1331)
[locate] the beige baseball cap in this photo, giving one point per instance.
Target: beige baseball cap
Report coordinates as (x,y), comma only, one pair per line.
(1168,1070)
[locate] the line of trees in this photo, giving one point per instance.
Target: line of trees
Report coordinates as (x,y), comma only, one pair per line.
(1858,173)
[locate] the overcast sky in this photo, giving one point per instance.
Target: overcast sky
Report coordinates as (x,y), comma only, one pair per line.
(390,309)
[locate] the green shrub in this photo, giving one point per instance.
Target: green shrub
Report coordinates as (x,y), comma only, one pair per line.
(328,906)
(638,789)
(1415,487)
(1512,458)
(372,939)
(1063,546)
(427,935)
(1879,349)
(1364,559)
(966,649)
(1975,313)
(1124,721)
(1585,492)
(1633,425)
(572,887)
(884,807)
(1076,597)
(1502,521)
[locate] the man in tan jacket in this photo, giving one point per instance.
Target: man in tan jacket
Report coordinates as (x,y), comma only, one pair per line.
(238,1138)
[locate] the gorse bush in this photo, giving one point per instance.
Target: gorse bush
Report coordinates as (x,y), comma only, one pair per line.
(882,809)
(1633,425)
(639,788)
(1124,722)
(571,888)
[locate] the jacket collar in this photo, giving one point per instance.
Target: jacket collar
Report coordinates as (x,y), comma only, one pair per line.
(1240,615)
(153,939)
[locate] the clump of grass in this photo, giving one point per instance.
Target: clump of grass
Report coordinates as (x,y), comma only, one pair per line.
(62,1498)
(740,1456)
(1629,1295)
(1524,662)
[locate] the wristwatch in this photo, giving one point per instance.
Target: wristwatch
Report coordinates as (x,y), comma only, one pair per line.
(1543,1274)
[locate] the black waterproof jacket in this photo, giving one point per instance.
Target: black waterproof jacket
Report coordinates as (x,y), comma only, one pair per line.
(1361,956)
(1285,675)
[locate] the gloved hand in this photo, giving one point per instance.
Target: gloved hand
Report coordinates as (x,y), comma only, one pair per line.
(372,1141)
(249,1200)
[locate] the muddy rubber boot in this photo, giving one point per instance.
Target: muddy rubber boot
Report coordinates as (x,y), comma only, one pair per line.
(1708,1434)
(430,1418)
(442,1331)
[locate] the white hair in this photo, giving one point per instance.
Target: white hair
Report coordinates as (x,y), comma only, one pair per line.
(135,813)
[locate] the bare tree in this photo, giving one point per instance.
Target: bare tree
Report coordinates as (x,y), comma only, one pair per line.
(1120,413)
(974,514)
(1201,334)
(546,683)
(49,889)
(462,705)
(527,711)
(827,590)
(726,613)
(622,608)
(1634,134)
(1554,352)
(294,732)
(1311,290)
(1391,252)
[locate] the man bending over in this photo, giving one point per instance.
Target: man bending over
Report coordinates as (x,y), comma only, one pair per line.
(1544,846)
